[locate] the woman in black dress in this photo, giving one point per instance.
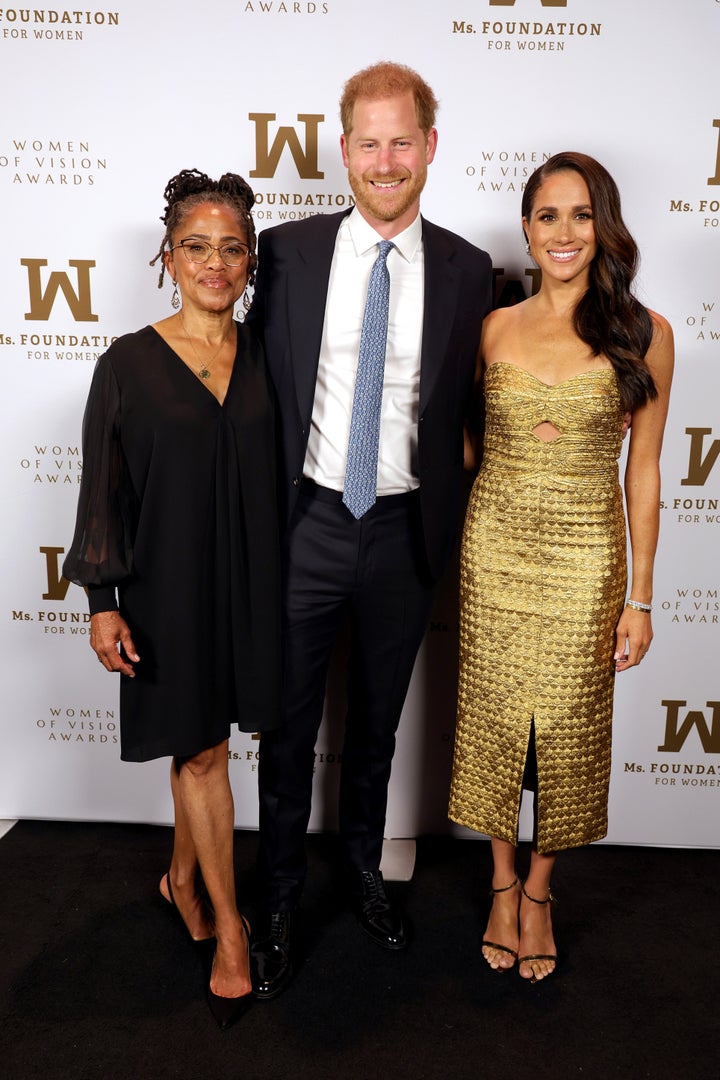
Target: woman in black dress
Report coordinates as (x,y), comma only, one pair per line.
(177,543)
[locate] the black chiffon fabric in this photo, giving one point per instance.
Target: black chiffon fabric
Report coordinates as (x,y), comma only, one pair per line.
(177,527)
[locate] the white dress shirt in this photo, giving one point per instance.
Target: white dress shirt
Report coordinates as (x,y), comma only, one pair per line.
(356,249)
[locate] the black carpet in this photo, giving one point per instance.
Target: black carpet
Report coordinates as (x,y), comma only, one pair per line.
(98,980)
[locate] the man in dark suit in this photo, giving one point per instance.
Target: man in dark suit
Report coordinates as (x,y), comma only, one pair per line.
(375,558)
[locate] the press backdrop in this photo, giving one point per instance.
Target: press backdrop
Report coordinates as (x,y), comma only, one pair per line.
(101,105)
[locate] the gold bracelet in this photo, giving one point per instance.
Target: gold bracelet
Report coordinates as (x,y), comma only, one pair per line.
(636,605)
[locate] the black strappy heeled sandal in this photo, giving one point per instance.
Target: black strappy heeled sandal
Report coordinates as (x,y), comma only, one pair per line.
(550,899)
(495,944)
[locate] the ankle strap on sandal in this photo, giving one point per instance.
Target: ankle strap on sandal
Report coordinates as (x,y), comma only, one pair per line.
(550,899)
(505,887)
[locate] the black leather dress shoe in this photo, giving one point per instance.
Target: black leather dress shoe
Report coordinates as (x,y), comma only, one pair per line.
(271,958)
(378,917)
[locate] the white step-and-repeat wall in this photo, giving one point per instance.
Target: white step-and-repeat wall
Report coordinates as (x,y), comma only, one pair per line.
(101,105)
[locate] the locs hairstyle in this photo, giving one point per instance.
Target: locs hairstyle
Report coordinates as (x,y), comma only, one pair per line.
(608,317)
(191,188)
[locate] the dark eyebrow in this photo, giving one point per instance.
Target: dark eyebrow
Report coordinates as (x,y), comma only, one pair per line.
(554,209)
(223,239)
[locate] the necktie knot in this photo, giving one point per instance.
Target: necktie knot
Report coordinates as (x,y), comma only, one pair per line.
(384,247)
(360,491)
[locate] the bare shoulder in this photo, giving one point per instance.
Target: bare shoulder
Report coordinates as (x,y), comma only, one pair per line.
(661,354)
(501,319)
(661,326)
(497,325)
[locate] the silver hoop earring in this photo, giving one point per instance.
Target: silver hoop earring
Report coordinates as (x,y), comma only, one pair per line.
(175,298)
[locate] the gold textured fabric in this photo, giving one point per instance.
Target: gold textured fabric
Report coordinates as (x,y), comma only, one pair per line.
(543,579)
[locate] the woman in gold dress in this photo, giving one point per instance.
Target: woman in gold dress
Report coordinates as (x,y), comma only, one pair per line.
(545,624)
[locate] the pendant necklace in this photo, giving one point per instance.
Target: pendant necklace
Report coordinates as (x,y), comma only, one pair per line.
(204,371)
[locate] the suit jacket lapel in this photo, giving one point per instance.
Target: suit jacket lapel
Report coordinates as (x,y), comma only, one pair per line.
(440,301)
(307,295)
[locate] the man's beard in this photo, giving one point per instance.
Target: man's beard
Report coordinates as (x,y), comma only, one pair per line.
(378,204)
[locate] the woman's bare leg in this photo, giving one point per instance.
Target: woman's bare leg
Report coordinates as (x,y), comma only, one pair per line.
(208,814)
(183,871)
(502,927)
(536,935)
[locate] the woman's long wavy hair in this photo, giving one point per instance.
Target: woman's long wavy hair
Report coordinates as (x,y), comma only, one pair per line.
(608,317)
(191,188)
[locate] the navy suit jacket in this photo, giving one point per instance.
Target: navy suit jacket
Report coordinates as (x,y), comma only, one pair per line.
(294,261)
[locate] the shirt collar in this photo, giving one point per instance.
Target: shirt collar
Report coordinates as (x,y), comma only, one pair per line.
(364,237)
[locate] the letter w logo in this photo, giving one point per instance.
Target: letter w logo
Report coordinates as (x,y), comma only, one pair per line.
(698,466)
(267,157)
(57,584)
(676,733)
(41,304)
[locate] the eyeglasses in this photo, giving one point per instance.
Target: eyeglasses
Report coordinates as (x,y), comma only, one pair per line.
(199,251)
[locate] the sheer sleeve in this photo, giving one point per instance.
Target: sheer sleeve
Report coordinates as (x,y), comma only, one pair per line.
(100,555)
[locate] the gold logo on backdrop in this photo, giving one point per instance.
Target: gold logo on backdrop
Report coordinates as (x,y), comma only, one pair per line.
(267,156)
(715,180)
(677,731)
(699,466)
(41,303)
(512,292)
(57,584)
(710,207)
(527,34)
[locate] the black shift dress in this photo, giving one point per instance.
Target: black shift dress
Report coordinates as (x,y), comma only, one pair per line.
(178,513)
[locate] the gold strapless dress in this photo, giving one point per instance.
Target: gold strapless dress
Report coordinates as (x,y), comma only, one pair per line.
(543,579)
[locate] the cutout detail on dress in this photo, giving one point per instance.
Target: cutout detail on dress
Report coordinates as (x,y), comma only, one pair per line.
(546,431)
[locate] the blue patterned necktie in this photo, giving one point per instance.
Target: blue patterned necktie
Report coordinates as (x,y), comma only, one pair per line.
(360,490)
